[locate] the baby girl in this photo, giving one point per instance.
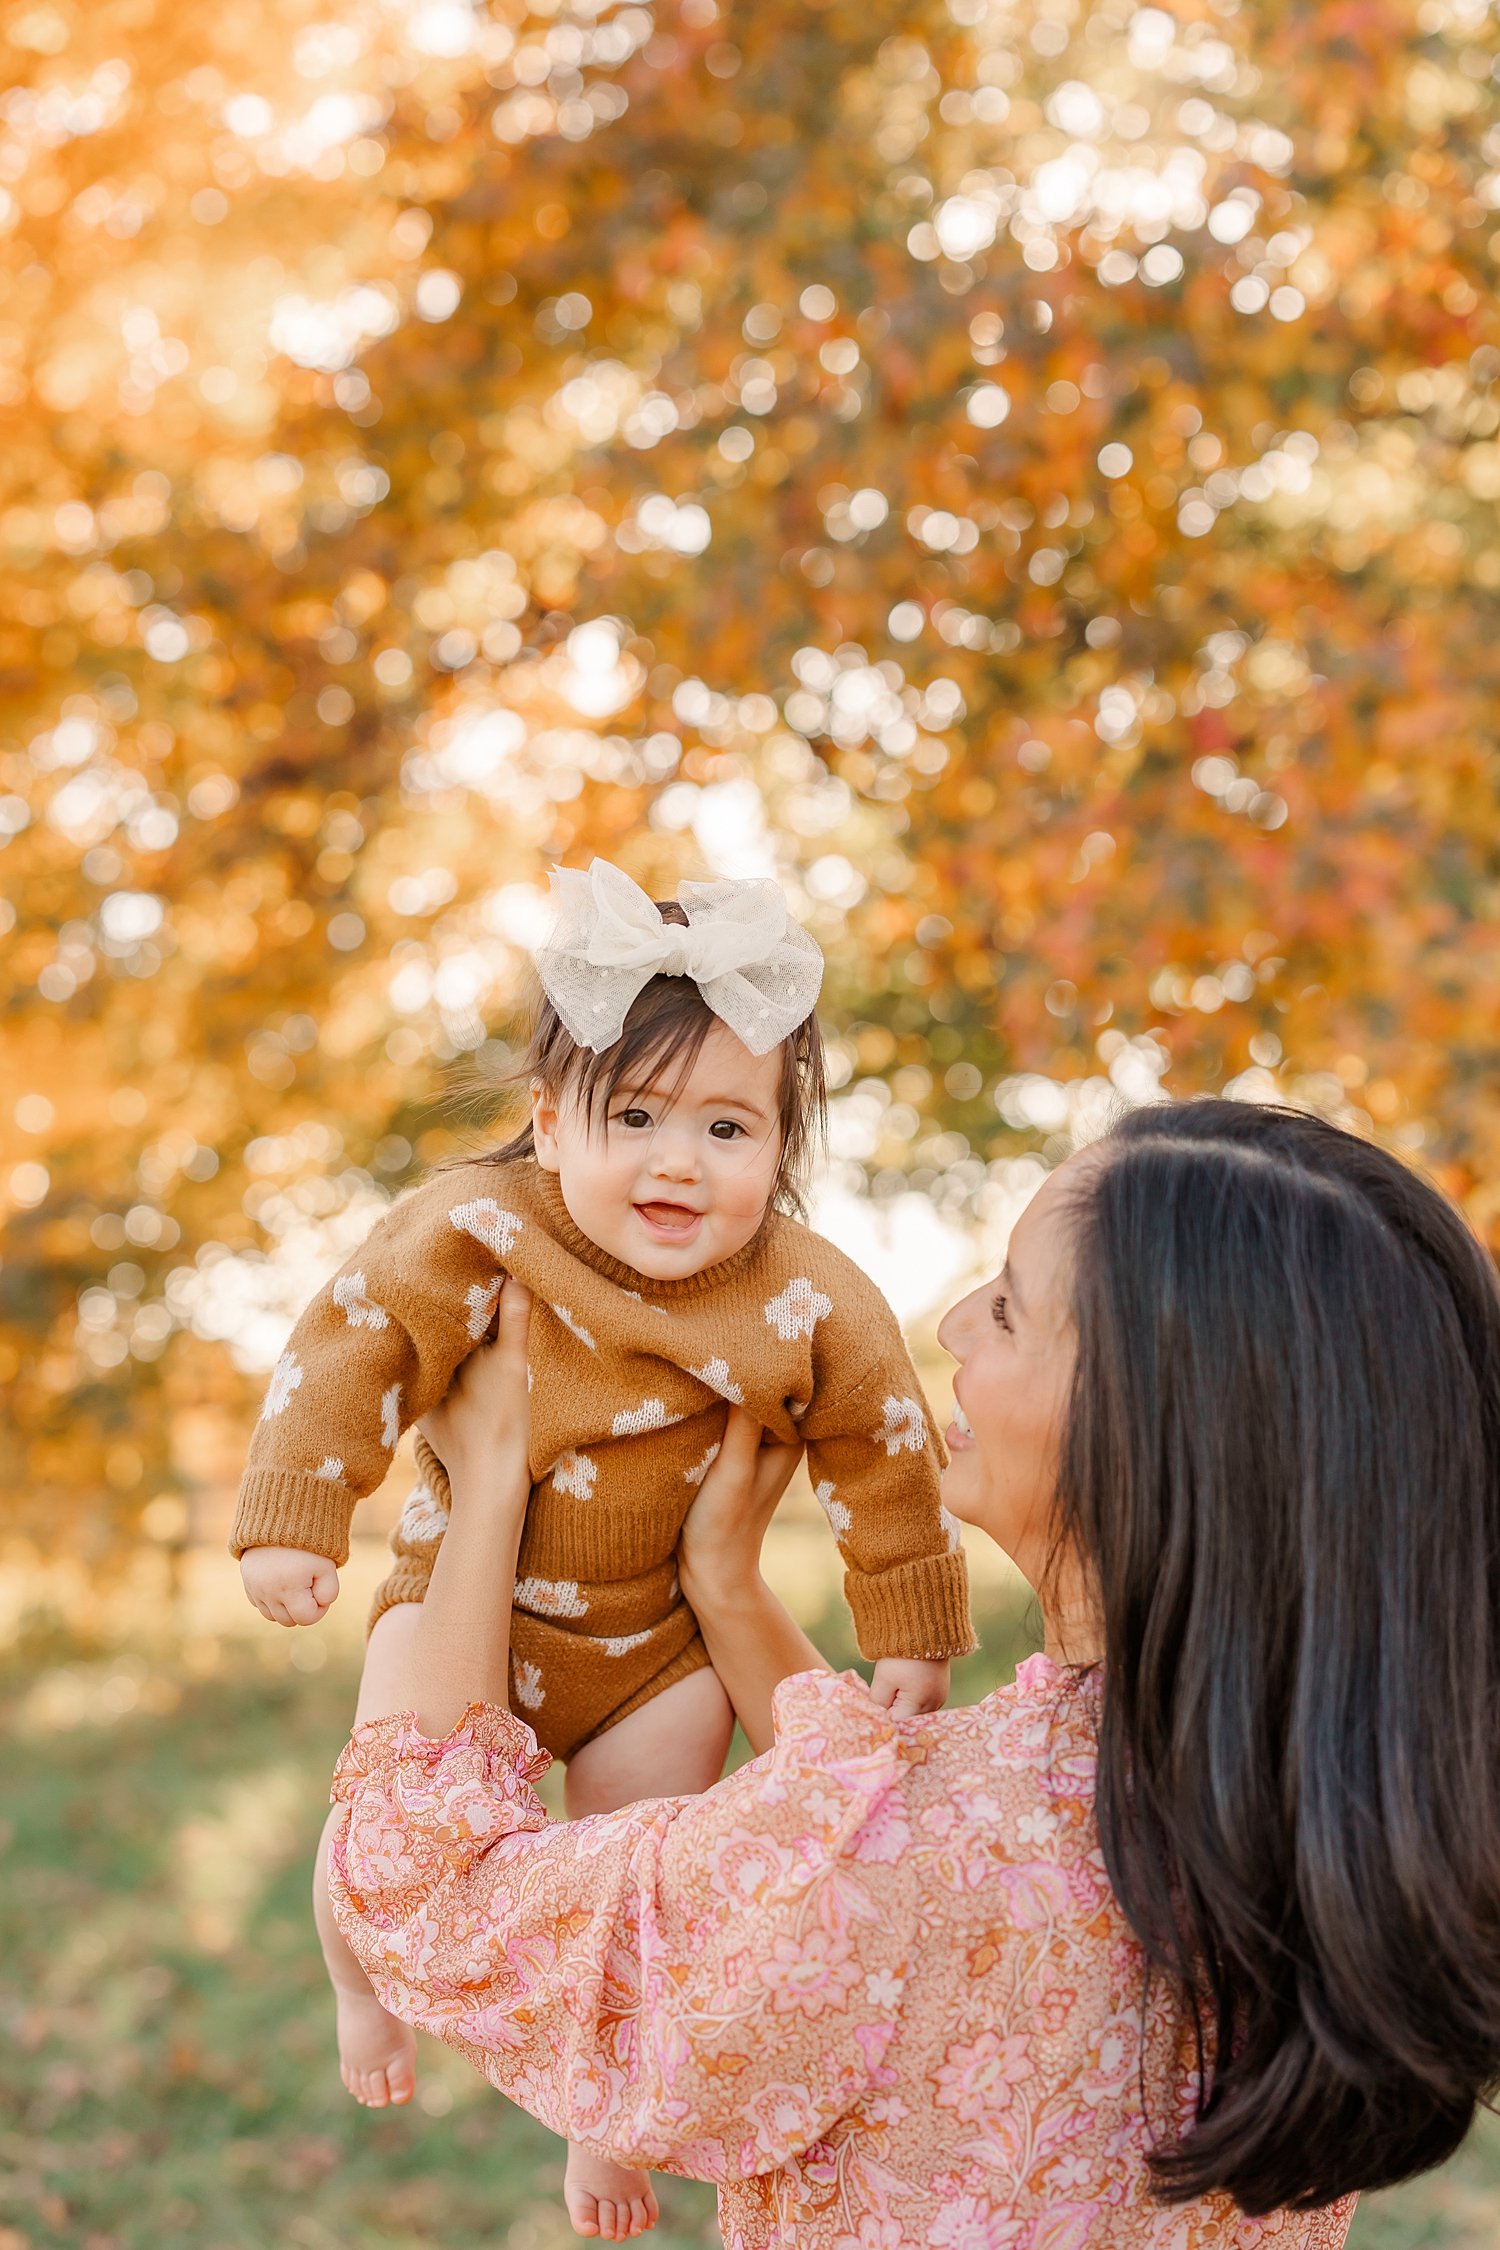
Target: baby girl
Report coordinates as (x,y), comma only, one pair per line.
(676,1087)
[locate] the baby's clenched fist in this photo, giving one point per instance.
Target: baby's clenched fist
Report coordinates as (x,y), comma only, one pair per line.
(908,1686)
(288,1585)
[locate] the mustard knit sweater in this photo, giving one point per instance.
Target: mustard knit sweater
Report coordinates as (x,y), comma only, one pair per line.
(629,1376)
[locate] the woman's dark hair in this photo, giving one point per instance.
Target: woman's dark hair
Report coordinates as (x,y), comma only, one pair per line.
(664,1033)
(1282,1468)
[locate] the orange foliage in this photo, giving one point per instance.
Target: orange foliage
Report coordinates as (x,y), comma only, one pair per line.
(1032,472)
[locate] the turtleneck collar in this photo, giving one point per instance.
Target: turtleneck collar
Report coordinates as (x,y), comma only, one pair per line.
(561,1226)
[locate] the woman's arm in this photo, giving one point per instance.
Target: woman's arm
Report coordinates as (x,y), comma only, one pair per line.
(753,1642)
(699,1984)
(457,1651)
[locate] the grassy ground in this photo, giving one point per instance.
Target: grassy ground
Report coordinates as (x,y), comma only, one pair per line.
(166,2068)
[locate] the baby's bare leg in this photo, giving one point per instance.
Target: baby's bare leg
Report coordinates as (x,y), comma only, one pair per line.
(377,2052)
(673,1746)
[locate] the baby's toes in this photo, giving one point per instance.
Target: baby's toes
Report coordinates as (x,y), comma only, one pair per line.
(583,2210)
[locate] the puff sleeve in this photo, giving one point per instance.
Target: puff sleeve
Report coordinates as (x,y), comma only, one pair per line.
(701,1985)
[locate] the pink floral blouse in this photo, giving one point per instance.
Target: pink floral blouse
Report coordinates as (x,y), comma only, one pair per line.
(875,1985)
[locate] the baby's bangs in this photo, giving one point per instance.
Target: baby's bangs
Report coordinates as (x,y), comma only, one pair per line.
(663,1038)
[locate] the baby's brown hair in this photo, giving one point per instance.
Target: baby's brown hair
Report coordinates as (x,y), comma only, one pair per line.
(665,1028)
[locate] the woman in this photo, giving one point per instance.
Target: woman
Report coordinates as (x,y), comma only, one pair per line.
(1181,1940)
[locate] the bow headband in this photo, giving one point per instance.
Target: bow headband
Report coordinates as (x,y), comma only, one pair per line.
(757,969)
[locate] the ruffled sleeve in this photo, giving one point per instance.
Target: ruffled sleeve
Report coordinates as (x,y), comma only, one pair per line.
(697,1984)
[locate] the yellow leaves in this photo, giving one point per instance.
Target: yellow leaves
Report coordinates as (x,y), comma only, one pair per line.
(1277,669)
(264,722)
(361,595)
(1313,273)
(536,447)
(301,620)
(433,608)
(235,940)
(1435,95)
(486,587)
(743,354)
(39,30)
(1480,469)
(551,538)
(67,380)
(293,815)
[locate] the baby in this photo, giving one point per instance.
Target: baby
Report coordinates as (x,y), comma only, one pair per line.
(676,1083)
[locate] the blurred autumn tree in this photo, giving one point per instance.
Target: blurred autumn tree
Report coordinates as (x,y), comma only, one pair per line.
(1025,472)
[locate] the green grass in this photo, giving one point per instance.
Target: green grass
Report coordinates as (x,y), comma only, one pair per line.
(167,2064)
(167,2077)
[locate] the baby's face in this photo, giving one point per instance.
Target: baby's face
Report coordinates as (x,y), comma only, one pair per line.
(675,1177)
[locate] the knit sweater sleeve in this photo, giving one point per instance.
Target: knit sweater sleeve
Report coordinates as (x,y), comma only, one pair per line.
(374,1351)
(876,1464)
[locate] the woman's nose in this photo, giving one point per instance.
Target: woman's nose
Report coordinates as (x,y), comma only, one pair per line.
(956,1328)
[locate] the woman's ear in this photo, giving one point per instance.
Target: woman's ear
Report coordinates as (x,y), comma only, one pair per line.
(544,1111)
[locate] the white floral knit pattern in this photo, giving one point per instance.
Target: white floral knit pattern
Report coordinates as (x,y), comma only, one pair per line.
(629,1382)
(359,1310)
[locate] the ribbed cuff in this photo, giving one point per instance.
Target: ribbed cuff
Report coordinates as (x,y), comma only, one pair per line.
(406,1583)
(292,1508)
(920,1609)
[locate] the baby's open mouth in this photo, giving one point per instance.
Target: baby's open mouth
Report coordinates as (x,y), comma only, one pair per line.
(669,1218)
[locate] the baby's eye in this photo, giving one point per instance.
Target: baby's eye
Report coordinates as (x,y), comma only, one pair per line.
(634,1118)
(726,1129)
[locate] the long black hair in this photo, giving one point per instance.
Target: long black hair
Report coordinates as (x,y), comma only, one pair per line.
(1281,1467)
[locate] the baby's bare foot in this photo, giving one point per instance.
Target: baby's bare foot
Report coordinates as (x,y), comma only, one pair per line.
(609,2200)
(377,2053)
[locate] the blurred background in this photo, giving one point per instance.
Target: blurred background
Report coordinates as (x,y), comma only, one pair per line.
(1021,472)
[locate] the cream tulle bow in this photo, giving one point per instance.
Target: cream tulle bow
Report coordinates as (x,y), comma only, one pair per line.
(757,969)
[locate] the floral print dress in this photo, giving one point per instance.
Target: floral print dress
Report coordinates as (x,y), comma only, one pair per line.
(875,1985)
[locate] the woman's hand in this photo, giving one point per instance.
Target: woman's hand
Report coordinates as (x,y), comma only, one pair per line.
(752,1642)
(721,1539)
(481,1431)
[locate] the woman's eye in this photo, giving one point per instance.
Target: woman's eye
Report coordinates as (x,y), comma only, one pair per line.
(997,1307)
(726,1129)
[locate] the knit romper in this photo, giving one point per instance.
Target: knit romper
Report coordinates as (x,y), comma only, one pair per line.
(629,1378)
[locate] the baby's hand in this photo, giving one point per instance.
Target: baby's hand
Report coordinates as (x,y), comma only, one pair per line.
(908,1685)
(288,1585)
